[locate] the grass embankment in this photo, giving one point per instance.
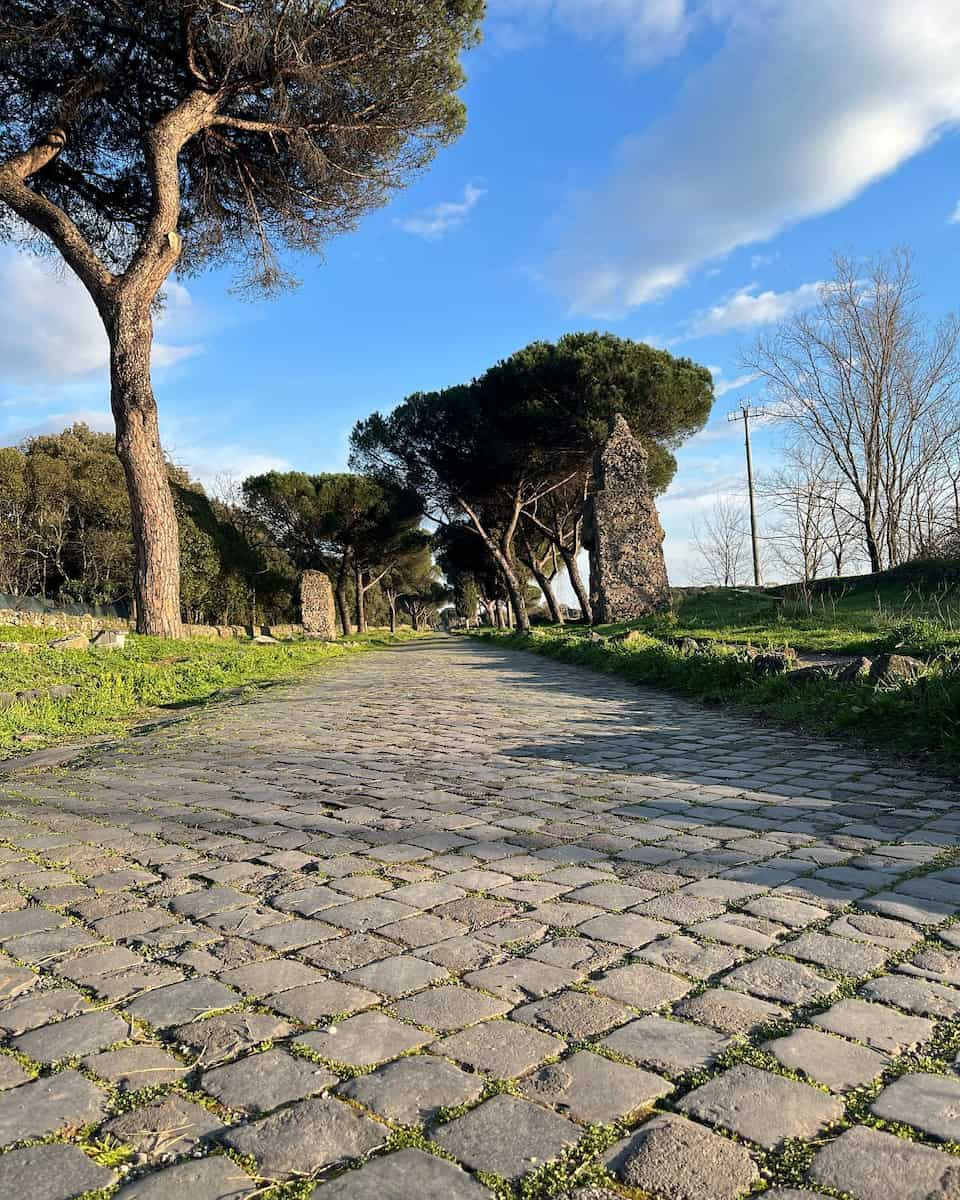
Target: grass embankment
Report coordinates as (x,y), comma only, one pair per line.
(916,608)
(117,686)
(921,717)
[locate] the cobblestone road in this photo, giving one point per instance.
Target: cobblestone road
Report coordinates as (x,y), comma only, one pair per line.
(455,899)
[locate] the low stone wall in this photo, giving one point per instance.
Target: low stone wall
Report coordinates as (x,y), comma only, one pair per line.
(87,623)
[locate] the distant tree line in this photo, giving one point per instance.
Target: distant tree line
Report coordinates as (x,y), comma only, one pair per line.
(467,501)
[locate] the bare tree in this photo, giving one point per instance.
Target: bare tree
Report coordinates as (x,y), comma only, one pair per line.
(136,138)
(866,384)
(721,539)
(810,514)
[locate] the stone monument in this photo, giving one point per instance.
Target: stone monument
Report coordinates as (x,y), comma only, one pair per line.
(628,575)
(316,606)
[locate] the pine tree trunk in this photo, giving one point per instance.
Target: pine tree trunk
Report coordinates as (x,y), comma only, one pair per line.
(576,582)
(543,583)
(156,579)
(393,617)
(340,595)
(361,600)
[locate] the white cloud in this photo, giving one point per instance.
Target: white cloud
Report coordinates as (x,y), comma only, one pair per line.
(721,386)
(805,104)
(746,308)
(955,215)
(435,222)
(646,29)
(98,419)
(211,463)
(50,333)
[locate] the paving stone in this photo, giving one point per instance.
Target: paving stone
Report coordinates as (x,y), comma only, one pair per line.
(730,1012)
(52,1172)
(688,957)
(930,1103)
(673,1047)
(397,976)
(364,1040)
(402,1175)
(503,1049)
(592,1089)
(448,1008)
(520,979)
(205,1179)
(169,1126)
(507,1136)
(763,1107)
(410,1090)
(182,1002)
(841,1065)
(672,1157)
(324,999)
(872,1165)
(16,981)
(880,931)
(940,966)
(351,950)
(625,929)
(641,986)
(74,1036)
(134,1067)
(260,1083)
(48,1105)
(915,995)
(575,1015)
(838,954)
(298,1141)
(215,1039)
(11,1073)
(269,977)
(876,1026)
(781,981)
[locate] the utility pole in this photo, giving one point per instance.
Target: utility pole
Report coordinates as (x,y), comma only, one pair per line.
(744,413)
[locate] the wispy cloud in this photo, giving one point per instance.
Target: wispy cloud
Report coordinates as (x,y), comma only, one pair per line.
(721,386)
(647,30)
(805,104)
(438,220)
(747,308)
(955,215)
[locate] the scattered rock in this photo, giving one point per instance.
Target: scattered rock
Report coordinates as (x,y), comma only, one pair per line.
(19,647)
(688,645)
(805,675)
(62,691)
(895,668)
(7,698)
(855,671)
(110,639)
(29,694)
(771,664)
(264,639)
(73,641)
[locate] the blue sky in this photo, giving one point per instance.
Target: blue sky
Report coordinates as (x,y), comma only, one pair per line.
(676,171)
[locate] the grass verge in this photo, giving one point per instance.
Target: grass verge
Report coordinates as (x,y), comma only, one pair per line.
(915,718)
(118,686)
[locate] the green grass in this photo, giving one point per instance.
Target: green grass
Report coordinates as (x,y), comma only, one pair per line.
(117,686)
(857,616)
(916,718)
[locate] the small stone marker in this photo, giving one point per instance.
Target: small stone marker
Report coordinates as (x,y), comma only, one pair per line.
(316,605)
(109,639)
(628,574)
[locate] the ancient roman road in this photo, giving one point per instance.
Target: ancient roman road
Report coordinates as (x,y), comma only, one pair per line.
(439,912)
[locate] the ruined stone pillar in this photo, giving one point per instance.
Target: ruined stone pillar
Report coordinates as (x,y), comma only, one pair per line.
(628,574)
(316,606)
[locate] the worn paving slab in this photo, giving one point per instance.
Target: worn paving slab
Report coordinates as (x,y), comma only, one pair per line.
(456,897)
